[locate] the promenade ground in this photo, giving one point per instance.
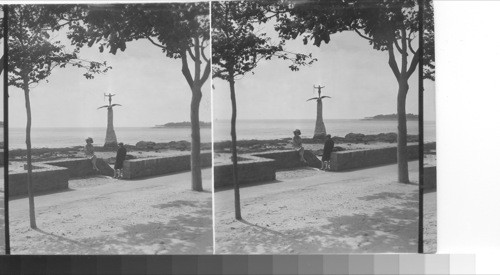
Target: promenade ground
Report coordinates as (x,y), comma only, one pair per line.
(158,215)
(311,211)
(430,222)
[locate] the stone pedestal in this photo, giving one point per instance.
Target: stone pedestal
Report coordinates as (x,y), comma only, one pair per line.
(319,130)
(110,141)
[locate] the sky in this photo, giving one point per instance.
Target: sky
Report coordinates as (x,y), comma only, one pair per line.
(149,86)
(357,77)
(152,89)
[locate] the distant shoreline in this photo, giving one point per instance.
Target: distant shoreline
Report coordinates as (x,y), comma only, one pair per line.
(184,124)
(391,117)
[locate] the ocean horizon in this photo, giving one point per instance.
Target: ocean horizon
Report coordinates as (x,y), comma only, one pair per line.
(283,128)
(60,137)
(57,137)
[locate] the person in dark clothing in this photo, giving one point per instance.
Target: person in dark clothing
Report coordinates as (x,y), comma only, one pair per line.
(327,152)
(120,158)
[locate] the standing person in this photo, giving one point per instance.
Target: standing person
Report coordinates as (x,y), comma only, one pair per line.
(89,152)
(297,144)
(120,158)
(327,152)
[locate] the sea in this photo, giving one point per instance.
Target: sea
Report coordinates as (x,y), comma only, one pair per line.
(69,137)
(276,129)
(246,129)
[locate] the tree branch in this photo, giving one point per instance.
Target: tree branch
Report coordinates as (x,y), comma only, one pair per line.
(197,61)
(185,70)
(364,36)
(156,44)
(398,47)
(206,72)
(409,45)
(392,62)
(203,55)
(404,54)
(191,54)
(414,62)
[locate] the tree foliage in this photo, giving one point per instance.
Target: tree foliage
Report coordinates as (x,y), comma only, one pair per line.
(238,46)
(176,28)
(33,52)
(386,24)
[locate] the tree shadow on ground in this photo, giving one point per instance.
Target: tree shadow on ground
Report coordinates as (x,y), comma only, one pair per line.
(179,203)
(187,233)
(162,175)
(245,185)
(387,229)
(391,195)
(41,193)
(262,228)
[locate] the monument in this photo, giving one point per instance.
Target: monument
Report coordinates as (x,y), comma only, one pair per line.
(110,141)
(319,130)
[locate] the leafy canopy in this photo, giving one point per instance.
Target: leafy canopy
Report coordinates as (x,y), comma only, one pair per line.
(34,52)
(178,29)
(171,27)
(238,46)
(384,23)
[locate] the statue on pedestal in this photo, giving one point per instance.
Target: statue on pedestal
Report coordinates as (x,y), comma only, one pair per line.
(110,141)
(319,130)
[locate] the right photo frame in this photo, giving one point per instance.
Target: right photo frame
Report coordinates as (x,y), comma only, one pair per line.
(323,127)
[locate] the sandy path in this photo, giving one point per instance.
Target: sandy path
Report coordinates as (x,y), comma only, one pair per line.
(430,222)
(310,211)
(157,215)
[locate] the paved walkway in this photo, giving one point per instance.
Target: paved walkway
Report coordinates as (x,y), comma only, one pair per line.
(159,215)
(430,222)
(311,211)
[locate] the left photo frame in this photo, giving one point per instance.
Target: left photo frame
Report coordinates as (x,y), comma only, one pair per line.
(109,131)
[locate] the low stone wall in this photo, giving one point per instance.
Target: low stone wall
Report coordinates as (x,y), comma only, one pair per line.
(288,159)
(261,167)
(54,175)
(250,169)
(430,178)
(46,178)
(82,167)
(347,160)
(146,167)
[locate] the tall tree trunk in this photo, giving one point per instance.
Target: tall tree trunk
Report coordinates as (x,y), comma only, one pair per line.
(234,157)
(1,64)
(28,157)
(319,130)
(196,182)
(402,132)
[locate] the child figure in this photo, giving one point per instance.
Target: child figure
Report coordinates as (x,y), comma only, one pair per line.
(327,152)
(120,158)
